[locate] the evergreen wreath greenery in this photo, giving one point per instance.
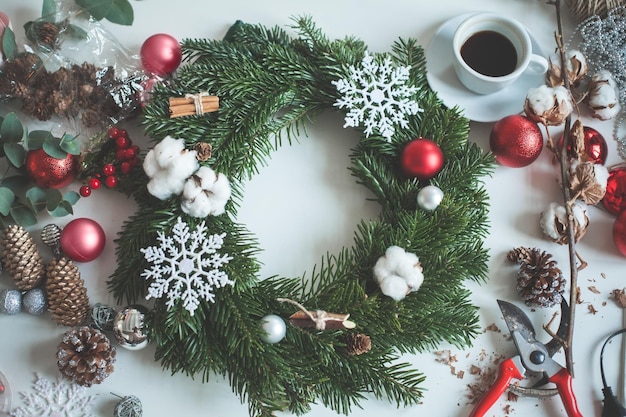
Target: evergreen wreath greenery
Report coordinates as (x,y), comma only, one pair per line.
(270,86)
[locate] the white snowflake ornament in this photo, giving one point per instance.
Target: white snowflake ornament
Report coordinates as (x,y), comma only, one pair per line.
(186,266)
(377,96)
(55,399)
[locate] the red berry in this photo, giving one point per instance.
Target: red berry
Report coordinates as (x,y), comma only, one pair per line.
(111,181)
(126,167)
(108,169)
(129,153)
(94,183)
(134,161)
(124,133)
(120,154)
(85,191)
(122,142)
(113,132)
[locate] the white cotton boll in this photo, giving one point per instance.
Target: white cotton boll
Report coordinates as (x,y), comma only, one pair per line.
(394,286)
(167,150)
(192,188)
(602,174)
(541,99)
(150,164)
(163,186)
(201,206)
(604,96)
(206,177)
(184,165)
(221,188)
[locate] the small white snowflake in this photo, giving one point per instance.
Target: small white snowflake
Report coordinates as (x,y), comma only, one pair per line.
(377,96)
(186,266)
(55,399)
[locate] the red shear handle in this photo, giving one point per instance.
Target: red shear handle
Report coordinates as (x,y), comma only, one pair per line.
(563,381)
(507,370)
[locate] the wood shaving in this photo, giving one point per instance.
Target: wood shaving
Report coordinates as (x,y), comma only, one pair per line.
(620,297)
(493,328)
(592,309)
(593,289)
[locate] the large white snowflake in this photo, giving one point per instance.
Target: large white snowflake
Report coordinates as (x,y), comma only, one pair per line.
(186,266)
(377,96)
(55,399)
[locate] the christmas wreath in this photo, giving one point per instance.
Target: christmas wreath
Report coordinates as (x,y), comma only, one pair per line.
(401,283)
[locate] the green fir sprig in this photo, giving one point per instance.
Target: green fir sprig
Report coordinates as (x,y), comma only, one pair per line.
(271,85)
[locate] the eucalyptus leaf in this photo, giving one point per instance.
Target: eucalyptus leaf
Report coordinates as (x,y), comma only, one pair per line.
(49,10)
(121,13)
(11,129)
(15,182)
(64,209)
(7,197)
(15,153)
(23,216)
(53,148)
(70,145)
(9,47)
(36,139)
(98,9)
(36,198)
(71,197)
(53,198)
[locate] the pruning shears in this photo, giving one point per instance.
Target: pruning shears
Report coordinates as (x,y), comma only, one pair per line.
(533,357)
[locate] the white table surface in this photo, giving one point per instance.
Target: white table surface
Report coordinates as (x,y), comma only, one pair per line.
(319,213)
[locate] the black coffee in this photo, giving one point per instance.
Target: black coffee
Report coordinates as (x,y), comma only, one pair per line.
(489,53)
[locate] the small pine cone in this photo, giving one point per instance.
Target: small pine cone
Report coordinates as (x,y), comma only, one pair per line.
(21,258)
(67,296)
(47,33)
(85,356)
(358,343)
(539,281)
(519,255)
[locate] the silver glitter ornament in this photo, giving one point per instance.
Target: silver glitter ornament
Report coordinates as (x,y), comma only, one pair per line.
(103,317)
(10,302)
(35,301)
(274,327)
(51,237)
(128,327)
(129,406)
(429,197)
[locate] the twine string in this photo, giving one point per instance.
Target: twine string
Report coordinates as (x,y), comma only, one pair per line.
(319,318)
(197,100)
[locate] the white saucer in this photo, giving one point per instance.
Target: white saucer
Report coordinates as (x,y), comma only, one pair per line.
(476,107)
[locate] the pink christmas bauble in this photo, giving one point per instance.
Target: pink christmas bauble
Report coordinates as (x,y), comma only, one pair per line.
(160,54)
(619,233)
(82,240)
(516,141)
(421,158)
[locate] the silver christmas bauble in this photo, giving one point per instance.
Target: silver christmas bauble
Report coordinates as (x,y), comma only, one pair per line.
(10,302)
(128,327)
(429,197)
(35,301)
(274,328)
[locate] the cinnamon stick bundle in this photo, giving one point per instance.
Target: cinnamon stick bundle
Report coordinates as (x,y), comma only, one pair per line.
(190,105)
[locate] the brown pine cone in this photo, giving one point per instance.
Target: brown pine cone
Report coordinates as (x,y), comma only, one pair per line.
(67,296)
(539,281)
(358,343)
(21,258)
(85,356)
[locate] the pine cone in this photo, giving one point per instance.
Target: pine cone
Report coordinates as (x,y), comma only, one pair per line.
(47,33)
(67,296)
(85,356)
(358,343)
(539,281)
(21,258)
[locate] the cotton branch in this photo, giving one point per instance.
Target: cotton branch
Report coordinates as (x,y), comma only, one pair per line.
(563,161)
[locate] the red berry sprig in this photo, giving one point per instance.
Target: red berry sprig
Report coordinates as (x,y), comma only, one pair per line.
(126,158)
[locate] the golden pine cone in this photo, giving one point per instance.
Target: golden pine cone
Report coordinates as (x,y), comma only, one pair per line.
(67,296)
(21,258)
(85,356)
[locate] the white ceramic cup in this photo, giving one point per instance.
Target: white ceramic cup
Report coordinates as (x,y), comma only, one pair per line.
(514,32)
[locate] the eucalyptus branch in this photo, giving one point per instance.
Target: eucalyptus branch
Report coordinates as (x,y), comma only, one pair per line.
(564,164)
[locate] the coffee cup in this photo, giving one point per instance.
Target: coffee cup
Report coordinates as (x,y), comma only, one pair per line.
(492,51)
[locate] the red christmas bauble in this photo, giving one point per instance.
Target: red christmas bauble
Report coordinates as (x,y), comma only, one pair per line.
(615,197)
(619,233)
(82,240)
(48,171)
(596,148)
(160,54)
(421,158)
(516,141)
